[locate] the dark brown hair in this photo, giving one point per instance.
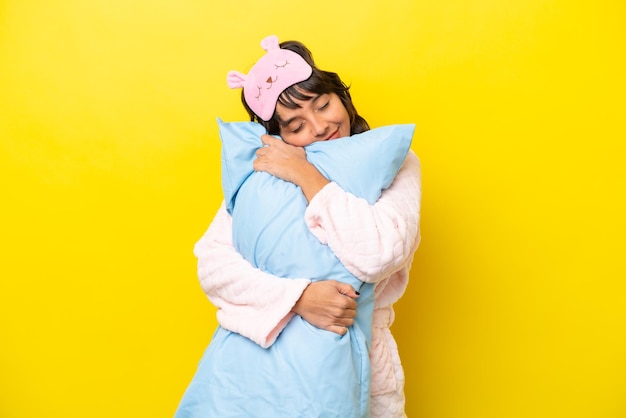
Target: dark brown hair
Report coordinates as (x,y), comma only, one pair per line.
(320,82)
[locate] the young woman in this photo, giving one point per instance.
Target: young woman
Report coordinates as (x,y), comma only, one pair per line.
(258,305)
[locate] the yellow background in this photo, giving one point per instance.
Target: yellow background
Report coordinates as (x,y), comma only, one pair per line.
(109,173)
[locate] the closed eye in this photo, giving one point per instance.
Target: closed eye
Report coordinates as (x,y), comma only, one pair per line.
(297,129)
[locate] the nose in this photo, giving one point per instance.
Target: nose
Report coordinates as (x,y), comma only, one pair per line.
(319,126)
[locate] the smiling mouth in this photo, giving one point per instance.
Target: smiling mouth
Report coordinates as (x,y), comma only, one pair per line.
(334,135)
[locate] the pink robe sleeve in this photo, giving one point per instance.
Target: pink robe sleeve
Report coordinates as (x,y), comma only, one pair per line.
(249,301)
(258,305)
(372,241)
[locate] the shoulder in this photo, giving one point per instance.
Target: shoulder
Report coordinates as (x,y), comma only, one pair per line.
(411,168)
(412,161)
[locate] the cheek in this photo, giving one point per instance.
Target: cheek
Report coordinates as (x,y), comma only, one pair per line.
(345,129)
(341,114)
(345,124)
(298,140)
(303,142)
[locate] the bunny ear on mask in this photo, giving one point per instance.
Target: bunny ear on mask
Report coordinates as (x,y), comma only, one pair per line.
(269,43)
(235,79)
(275,71)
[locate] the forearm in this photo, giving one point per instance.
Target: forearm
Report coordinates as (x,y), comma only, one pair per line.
(372,241)
(310,180)
(250,302)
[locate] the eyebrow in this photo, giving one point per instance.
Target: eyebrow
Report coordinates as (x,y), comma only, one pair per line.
(288,121)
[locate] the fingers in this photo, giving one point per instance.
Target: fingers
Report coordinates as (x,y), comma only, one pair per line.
(269,139)
(340,325)
(337,329)
(347,290)
(347,305)
(266,140)
(328,305)
(344,319)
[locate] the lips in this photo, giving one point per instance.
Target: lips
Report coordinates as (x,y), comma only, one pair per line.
(334,135)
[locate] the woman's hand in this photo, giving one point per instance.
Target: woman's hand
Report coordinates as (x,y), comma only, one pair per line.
(328,305)
(280,159)
(289,163)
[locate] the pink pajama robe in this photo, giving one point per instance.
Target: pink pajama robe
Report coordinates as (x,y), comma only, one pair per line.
(376,243)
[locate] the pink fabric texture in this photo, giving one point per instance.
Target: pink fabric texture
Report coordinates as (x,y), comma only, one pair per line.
(269,77)
(375,242)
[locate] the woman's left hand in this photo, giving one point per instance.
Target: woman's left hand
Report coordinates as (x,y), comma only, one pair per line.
(280,159)
(289,163)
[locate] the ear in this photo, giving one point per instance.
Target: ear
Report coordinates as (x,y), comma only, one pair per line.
(270,42)
(235,79)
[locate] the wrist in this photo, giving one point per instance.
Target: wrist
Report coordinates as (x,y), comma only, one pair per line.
(297,307)
(311,181)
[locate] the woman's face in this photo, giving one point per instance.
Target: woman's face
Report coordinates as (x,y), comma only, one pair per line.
(322,118)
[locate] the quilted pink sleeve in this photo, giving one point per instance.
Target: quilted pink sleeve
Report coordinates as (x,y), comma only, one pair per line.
(372,241)
(250,302)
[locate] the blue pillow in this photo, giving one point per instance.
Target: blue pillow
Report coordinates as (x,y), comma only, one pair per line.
(363,164)
(307,371)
